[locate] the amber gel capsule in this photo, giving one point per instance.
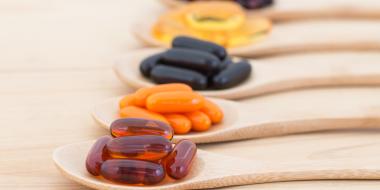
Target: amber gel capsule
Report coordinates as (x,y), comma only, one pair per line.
(132,171)
(137,126)
(192,43)
(179,161)
(97,155)
(146,147)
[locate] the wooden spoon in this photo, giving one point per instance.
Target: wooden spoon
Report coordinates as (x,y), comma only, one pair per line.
(278,115)
(297,37)
(285,10)
(277,74)
(213,170)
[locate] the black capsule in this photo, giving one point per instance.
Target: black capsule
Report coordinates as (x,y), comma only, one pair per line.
(255,4)
(148,63)
(233,75)
(193,43)
(203,62)
(227,61)
(163,74)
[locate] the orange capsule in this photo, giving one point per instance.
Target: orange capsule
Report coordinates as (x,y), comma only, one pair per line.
(175,102)
(128,100)
(97,155)
(143,93)
(212,111)
(178,163)
(146,147)
(137,126)
(136,112)
(132,171)
(180,123)
(199,121)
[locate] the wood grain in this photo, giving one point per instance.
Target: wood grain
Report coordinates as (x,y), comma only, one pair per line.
(55,65)
(289,10)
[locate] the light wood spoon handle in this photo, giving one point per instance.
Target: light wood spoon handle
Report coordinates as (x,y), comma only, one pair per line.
(214,170)
(307,36)
(285,10)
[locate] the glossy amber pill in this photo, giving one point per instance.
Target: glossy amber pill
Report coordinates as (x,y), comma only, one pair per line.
(178,163)
(138,126)
(132,171)
(199,121)
(143,93)
(137,112)
(175,102)
(180,123)
(146,147)
(212,111)
(97,155)
(128,100)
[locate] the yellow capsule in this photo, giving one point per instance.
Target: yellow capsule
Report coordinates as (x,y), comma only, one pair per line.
(252,32)
(214,16)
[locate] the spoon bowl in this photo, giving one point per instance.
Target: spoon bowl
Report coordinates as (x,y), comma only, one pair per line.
(269,116)
(276,74)
(312,36)
(213,170)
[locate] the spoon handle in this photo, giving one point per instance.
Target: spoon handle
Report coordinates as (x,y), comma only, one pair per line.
(362,168)
(282,10)
(315,36)
(310,70)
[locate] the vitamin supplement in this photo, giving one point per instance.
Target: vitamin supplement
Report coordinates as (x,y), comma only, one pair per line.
(175,102)
(233,75)
(147,147)
(221,22)
(255,4)
(212,111)
(180,123)
(199,121)
(128,100)
(251,4)
(211,16)
(137,126)
(97,155)
(132,171)
(143,93)
(192,43)
(224,64)
(203,62)
(178,163)
(147,64)
(137,112)
(163,74)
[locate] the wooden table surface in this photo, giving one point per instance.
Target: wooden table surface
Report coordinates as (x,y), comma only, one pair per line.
(56,61)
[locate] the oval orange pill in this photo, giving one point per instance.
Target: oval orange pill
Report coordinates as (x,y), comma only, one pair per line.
(128,100)
(142,94)
(136,112)
(175,102)
(213,111)
(199,121)
(180,123)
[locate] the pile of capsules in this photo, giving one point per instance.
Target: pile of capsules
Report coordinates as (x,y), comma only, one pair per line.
(140,152)
(222,22)
(251,4)
(175,104)
(199,64)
